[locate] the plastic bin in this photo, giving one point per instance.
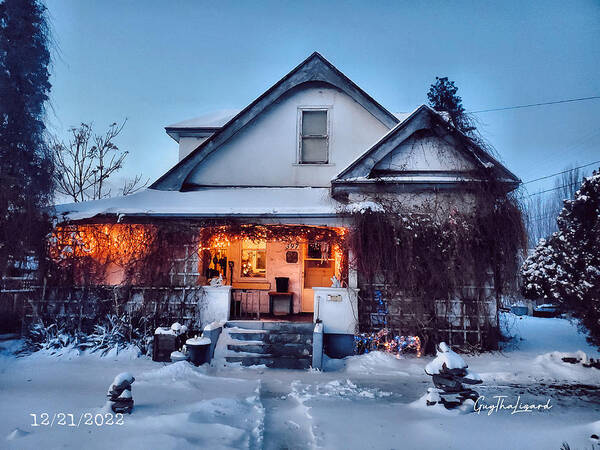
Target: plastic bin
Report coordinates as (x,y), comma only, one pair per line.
(282,284)
(198,350)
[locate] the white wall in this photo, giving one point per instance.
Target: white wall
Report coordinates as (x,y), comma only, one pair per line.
(439,204)
(428,153)
(338,317)
(187,144)
(214,304)
(264,153)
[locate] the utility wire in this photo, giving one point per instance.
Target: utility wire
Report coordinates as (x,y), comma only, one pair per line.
(564,171)
(552,189)
(581,99)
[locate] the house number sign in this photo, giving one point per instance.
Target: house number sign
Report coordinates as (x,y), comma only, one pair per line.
(292,246)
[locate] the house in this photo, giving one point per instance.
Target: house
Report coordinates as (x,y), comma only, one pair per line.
(278,182)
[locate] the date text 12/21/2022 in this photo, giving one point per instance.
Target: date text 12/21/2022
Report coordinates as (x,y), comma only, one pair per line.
(62,419)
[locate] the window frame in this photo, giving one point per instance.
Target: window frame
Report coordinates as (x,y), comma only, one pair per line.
(300,137)
(242,249)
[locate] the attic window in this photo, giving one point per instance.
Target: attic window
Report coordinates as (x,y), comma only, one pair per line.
(314,136)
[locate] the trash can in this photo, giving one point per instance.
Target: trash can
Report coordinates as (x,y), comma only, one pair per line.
(198,350)
(282,284)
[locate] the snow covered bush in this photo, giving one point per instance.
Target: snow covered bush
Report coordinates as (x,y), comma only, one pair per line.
(110,333)
(59,335)
(565,269)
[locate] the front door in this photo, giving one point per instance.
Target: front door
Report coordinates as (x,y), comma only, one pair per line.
(317,273)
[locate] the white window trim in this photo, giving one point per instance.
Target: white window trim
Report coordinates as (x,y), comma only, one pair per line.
(328,109)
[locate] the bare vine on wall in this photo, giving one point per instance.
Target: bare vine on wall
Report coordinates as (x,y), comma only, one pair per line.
(427,255)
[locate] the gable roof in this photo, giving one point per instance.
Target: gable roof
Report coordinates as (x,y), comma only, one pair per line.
(423,117)
(314,68)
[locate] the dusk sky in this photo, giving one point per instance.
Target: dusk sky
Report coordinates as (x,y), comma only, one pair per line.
(157,63)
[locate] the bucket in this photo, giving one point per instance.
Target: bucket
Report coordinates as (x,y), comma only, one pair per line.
(198,350)
(282,284)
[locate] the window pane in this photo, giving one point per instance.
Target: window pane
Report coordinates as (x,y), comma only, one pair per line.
(254,263)
(314,123)
(254,259)
(314,150)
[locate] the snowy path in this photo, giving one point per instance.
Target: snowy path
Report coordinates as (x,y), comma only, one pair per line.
(359,403)
(288,423)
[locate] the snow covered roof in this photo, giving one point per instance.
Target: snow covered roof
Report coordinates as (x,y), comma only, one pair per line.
(209,202)
(215,119)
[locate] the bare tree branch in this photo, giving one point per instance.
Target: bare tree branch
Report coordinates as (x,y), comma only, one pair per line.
(133,185)
(86,161)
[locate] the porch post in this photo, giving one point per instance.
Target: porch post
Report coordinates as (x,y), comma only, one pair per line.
(352,274)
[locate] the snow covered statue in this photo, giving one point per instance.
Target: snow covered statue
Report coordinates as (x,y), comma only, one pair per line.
(119,393)
(449,372)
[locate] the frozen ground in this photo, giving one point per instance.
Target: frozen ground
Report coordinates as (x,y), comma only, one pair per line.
(368,401)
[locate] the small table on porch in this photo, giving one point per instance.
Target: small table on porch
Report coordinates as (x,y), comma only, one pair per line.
(281,303)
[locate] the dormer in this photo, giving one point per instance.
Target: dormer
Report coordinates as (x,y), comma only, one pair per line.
(190,133)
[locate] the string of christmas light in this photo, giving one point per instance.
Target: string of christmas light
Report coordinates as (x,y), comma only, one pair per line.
(384,341)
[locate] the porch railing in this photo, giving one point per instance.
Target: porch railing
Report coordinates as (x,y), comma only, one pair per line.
(246,304)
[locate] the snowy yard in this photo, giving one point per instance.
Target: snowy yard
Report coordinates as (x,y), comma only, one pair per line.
(368,401)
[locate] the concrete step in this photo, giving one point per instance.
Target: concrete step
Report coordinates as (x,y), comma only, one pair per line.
(275,362)
(288,338)
(285,350)
(278,327)
(248,348)
(248,336)
(285,345)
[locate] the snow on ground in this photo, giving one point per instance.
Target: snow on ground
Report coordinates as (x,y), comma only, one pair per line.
(368,401)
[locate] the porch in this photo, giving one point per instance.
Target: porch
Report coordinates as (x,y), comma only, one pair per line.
(272,273)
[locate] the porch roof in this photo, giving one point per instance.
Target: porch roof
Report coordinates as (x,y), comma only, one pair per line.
(209,202)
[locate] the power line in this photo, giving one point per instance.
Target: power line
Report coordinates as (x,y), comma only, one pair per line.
(564,171)
(553,189)
(581,99)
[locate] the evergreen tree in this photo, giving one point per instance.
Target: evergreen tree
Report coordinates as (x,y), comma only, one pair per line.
(25,159)
(565,269)
(443,96)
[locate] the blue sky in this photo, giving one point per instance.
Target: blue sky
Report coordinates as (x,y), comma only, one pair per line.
(160,62)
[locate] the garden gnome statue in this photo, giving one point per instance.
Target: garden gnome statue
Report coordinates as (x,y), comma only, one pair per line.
(119,393)
(449,372)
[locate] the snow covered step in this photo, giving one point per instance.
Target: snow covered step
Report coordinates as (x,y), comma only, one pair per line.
(248,348)
(274,344)
(278,327)
(249,336)
(274,350)
(289,338)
